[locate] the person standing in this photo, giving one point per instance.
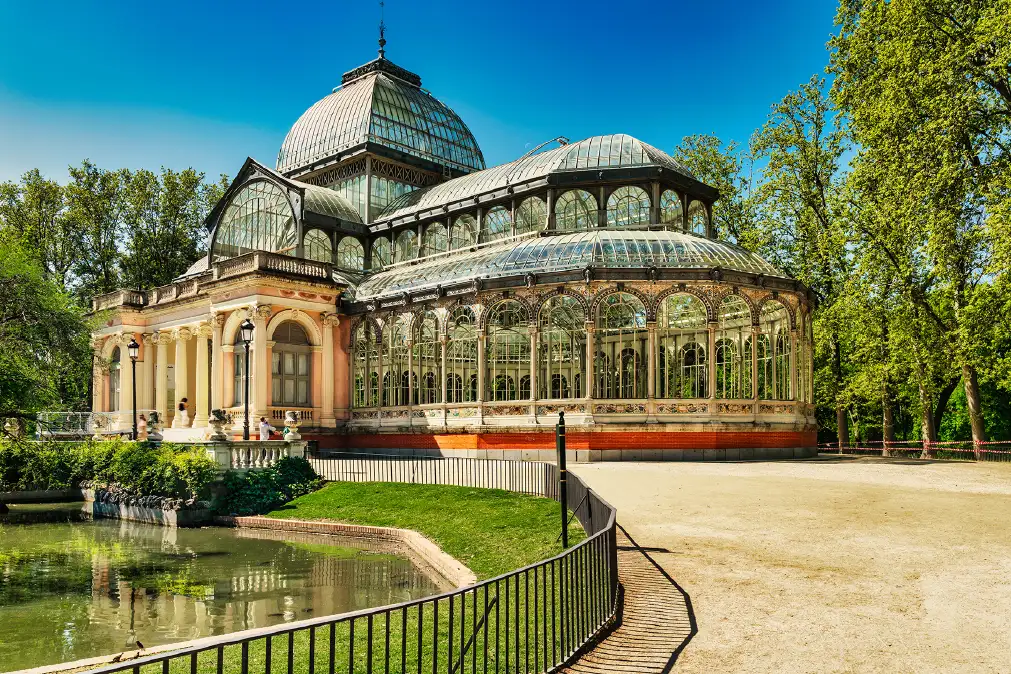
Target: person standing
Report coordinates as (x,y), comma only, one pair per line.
(184,415)
(265,429)
(142,427)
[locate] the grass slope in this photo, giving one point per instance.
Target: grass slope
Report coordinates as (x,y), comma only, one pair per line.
(489,530)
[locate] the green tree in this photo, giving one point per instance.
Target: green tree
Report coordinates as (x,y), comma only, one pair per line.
(93,204)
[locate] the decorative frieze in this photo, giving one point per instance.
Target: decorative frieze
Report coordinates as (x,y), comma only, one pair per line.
(683,408)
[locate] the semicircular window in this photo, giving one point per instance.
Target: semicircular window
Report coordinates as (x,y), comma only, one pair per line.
(407,246)
(259,217)
(628,206)
(463,233)
(697,218)
(575,210)
(531,215)
(496,224)
(317,246)
(671,211)
(350,254)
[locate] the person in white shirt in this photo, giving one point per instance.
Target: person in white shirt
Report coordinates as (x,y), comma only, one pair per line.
(265,429)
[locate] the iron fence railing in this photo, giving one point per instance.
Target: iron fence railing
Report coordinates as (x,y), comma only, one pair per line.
(955,450)
(533,619)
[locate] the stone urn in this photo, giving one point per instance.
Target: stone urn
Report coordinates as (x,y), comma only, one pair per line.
(154,427)
(291,422)
(218,421)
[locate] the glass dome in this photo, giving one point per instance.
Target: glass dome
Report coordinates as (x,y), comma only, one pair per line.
(384,104)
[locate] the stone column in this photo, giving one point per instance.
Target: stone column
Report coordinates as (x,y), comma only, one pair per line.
(480,365)
(330,323)
(651,355)
(125,383)
(533,362)
(411,398)
(217,363)
(444,340)
(161,385)
(754,363)
(182,336)
(98,403)
(711,360)
(202,406)
(792,394)
(145,392)
(259,369)
(590,350)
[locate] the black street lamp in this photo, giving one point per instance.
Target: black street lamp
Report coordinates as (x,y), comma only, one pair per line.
(134,349)
(246,329)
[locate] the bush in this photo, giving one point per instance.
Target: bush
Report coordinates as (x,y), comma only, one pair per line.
(254,492)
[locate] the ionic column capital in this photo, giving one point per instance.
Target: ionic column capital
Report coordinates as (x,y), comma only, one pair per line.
(263,313)
(148,338)
(204,330)
(330,320)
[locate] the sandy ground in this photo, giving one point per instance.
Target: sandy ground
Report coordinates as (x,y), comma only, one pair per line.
(838,564)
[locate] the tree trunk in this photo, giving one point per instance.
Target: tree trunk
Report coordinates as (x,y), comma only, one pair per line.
(942,403)
(887,421)
(842,426)
(928,429)
(972,399)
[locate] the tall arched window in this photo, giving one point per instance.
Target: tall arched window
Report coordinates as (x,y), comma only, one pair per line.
(366,366)
(316,246)
(397,374)
(381,253)
(698,220)
(350,254)
(626,206)
(733,349)
(428,360)
(682,335)
(764,357)
(671,211)
(435,240)
(575,210)
(507,350)
(496,224)
(561,349)
(239,370)
(621,347)
(407,246)
(461,357)
(291,368)
(115,379)
(774,321)
(259,217)
(463,233)
(531,215)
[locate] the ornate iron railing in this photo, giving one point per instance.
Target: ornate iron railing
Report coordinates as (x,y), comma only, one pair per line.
(533,619)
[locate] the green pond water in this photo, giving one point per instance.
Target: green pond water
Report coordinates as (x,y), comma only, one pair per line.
(72,590)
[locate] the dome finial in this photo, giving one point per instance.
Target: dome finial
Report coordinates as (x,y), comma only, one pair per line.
(382,29)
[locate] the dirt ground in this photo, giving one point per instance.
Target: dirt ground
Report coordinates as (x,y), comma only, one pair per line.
(836,564)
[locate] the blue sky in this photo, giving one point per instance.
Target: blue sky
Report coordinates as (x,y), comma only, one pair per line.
(205,84)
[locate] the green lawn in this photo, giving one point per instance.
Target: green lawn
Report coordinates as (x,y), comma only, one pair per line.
(490,530)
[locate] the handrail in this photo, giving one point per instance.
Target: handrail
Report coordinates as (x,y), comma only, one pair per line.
(576,591)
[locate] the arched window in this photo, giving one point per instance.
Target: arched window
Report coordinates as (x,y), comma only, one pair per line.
(671,211)
(115,379)
(461,357)
(239,370)
(628,206)
(698,220)
(496,224)
(428,359)
(682,335)
(575,210)
(396,380)
(764,367)
(291,367)
(435,240)
(259,217)
(350,254)
(316,246)
(733,349)
(559,386)
(507,349)
(366,366)
(463,233)
(531,215)
(407,246)
(381,253)
(774,321)
(561,350)
(525,387)
(621,338)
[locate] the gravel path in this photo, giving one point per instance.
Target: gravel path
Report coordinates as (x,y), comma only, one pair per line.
(839,564)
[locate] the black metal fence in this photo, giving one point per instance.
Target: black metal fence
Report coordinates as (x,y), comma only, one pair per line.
(956,450)
(529,620)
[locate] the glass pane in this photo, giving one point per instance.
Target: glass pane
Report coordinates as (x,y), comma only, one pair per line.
(289,390)
(289,363)
(303,392)
(276,365)
(276,391)
(303,364)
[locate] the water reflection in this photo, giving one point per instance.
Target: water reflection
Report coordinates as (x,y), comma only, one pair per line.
(70,591)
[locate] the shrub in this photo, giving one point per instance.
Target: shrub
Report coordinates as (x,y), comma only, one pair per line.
(254,492)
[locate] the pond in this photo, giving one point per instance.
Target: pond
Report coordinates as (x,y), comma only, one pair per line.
(73,590)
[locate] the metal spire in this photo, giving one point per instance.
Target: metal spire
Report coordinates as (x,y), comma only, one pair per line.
(382,29)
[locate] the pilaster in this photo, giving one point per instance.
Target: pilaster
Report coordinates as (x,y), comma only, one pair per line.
(330,323)
(203,393)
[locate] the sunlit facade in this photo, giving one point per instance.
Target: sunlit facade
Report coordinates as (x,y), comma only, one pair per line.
(406,297)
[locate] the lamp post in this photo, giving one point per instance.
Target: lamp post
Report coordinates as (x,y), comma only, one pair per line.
(134,349)
(247,336)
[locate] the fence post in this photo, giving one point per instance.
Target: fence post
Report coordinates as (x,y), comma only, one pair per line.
(562,477)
